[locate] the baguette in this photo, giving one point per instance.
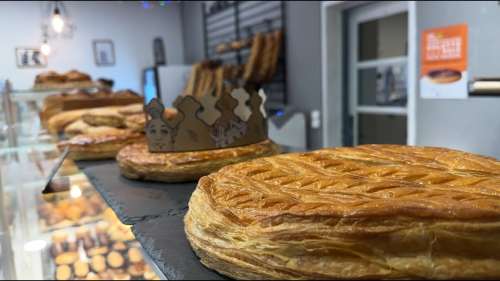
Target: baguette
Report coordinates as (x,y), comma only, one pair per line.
(273,64)
(254,58)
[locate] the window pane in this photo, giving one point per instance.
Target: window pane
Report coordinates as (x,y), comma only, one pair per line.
(383,38)
(384,85)
(381,129)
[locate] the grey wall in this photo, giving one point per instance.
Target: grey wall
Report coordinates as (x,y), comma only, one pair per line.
(304,60)
(131,28)
(192,28)
(303,45)
(473,124)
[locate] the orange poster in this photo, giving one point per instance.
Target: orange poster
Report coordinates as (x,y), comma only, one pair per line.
(443,62)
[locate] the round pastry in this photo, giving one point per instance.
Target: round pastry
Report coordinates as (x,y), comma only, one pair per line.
(102,233)
(81,269)
(366,212)
(63,272)
(77,76)
(59,243)
(105,146)
(82,232)
(120,247)
(97,251)
(66,258)
(92,276)
(149,274)
(444,76)
(91,212)
(105,275)
(73,213)
(136,270)
(98,263)
(55,218)
(59,236)
(72,245)
(45,209)
(49,77)
(135,255)
(83,235)
(136,162)
(121,276)
(115,260)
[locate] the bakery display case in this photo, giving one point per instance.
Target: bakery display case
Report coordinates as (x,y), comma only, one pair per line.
(65,235)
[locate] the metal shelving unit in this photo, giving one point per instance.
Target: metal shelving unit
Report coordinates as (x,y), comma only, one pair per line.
(241,20)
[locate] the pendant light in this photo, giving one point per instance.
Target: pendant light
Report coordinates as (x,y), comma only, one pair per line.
(45,48)
(57,21)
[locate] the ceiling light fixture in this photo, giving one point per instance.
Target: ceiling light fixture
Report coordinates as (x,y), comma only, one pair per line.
(57,20)
(45,48)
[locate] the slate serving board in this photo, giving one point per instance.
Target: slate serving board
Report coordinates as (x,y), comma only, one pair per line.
(135,201)
(156,212)
(166,243)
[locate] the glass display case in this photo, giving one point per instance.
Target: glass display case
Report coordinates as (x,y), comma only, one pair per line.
(71,234)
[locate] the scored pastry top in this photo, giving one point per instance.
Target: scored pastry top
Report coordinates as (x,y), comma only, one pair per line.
(138,154)
(364,182)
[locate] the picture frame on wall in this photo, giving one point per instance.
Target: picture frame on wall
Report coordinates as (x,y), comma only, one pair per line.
(30,57)
(104,52)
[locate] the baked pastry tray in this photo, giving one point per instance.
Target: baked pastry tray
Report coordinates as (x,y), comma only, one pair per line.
(156,212)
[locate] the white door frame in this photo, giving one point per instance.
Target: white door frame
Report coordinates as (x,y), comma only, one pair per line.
(332,73)
(360,15)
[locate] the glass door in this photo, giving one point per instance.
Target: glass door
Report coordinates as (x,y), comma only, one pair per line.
(377,68)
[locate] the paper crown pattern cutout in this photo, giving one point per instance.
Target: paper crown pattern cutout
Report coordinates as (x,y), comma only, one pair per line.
(234,119)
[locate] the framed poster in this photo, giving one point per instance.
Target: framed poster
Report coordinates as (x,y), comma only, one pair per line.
(104,52)
(443,63)
(29,57)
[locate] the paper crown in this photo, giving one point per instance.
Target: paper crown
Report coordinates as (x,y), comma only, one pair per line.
(233,119)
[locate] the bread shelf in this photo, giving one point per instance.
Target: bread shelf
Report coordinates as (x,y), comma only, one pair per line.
(242,20)
(35,94)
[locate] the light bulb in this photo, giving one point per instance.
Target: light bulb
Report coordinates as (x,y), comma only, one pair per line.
(45,48)
(57,21)
(75,191)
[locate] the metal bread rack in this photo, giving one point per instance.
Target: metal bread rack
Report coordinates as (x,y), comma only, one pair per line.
(229,21)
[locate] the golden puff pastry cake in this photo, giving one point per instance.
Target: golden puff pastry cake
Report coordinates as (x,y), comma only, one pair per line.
(368,212)
(105,116)
(100,146)
(136,162)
